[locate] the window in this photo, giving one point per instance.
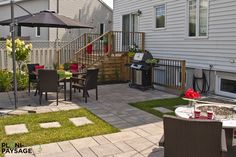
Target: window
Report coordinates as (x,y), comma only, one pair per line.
(197,18)
(226,85)
(18,31)
(160,16)
(102,28)
(38,32)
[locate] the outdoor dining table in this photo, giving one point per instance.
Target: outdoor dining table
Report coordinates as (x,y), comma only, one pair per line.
(228,124)
(64,76)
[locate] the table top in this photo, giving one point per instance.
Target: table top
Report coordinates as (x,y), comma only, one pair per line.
(187,112)
(64,74)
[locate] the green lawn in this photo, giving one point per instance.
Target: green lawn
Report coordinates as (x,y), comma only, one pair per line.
(166,103)
(67,131)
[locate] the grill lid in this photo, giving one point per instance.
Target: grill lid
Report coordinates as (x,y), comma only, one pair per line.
(142,57)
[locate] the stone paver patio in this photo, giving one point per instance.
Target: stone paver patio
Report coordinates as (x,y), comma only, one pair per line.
(140,131)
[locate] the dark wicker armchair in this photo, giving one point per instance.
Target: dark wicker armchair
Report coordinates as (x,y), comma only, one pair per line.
(87,82)
(48,82)
(32,77)
(192,138)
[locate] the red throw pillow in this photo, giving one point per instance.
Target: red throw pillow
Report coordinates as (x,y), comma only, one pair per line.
(37,67)
(74,67)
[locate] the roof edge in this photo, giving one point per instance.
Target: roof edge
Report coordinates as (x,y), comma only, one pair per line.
(107,6)
(2,3)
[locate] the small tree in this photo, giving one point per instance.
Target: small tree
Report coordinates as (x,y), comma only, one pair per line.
(22,51)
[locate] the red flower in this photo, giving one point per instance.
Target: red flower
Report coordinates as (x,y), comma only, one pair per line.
(191,94)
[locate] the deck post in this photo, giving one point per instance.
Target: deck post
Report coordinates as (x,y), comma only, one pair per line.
(109,43)
(143,38)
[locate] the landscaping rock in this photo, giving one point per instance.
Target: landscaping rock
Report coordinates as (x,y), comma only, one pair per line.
(80,121)
(16,129)
(50,125)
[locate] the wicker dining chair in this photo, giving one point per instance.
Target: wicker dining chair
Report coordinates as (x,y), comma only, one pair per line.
(48,82)
(31,76)
(87,82)
(192,138)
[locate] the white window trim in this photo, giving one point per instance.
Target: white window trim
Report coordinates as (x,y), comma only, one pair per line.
(197,23)
(36,32)
(154,17)
(218,83)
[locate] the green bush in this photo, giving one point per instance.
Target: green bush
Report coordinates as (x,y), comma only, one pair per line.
(5,80)
(22,81)
(7,84)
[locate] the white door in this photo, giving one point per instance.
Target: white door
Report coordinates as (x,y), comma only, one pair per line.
(129,26)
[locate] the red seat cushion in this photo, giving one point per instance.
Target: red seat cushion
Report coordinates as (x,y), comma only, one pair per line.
(74,67)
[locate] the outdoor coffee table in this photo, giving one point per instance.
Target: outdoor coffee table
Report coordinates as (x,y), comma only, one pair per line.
(228,122)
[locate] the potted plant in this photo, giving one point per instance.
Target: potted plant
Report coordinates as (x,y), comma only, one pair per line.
(67,66)
(105,44)
(89,48)
(132,50)
(152,61)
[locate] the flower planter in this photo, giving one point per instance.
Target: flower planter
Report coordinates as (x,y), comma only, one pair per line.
(89,49)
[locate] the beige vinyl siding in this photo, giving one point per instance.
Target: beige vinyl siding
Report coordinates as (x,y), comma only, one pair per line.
(218,49)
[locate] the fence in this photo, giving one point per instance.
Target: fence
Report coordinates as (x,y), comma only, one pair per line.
(170,73)
(44,53)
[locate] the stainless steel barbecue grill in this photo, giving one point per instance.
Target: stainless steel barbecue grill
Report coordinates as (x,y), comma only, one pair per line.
(141,72)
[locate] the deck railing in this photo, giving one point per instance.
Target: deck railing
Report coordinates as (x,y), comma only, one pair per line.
(67,52)
(123,40)
(170,73)
(94,51)
(90,48)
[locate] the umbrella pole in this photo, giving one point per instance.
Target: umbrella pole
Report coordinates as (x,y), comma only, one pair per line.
(13,53)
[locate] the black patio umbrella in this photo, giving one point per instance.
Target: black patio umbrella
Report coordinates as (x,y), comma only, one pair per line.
(41,19)
(46,18)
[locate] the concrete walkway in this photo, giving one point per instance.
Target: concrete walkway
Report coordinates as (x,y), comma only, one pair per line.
(140,131)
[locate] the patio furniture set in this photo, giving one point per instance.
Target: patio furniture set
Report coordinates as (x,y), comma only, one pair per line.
(194,135)
(55,80)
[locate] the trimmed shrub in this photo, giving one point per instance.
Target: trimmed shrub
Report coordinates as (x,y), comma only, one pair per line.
(5,81)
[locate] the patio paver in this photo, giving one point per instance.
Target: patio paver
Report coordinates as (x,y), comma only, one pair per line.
(105,150)
(84,143)
(61,154)
(47,148)
(16,129)
(87,152)
(79,121)
(50,125)
(117,137)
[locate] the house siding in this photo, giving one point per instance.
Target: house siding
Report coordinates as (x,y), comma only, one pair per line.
(90,12)
(219,49)
(5,13)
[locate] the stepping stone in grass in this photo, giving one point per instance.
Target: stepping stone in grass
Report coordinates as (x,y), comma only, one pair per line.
(162,110)
(79,121)
(50,125)
(16,129)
